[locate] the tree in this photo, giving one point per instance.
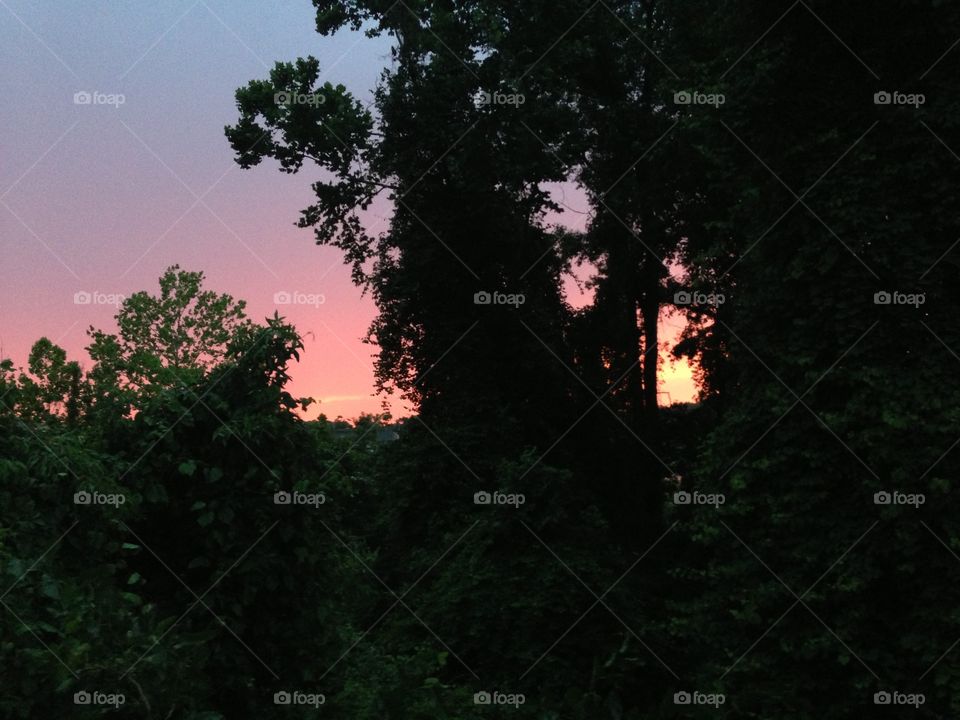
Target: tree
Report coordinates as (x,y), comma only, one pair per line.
(162,592)
(52,389)
(816,198)
(164,340)
(437,346)
(466,171)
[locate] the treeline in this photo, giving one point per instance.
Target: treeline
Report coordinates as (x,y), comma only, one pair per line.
(144,551)
(782,174)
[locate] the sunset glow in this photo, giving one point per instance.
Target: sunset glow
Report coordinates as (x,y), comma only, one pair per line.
(100,198)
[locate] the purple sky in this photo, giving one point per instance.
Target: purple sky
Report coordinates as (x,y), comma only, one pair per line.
(101,197)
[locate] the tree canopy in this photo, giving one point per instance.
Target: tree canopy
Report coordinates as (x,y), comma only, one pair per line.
(540,535)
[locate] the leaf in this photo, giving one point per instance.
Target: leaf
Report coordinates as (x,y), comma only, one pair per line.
(188,467)
(50,587)
(15,567)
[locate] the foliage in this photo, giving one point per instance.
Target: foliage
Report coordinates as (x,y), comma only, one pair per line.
(527,532)
(164,340)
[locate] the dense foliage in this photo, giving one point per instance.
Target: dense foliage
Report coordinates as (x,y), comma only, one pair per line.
(540,534)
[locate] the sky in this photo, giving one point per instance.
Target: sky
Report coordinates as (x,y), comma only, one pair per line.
(114,166)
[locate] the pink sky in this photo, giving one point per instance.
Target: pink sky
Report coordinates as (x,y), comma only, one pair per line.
(101,198)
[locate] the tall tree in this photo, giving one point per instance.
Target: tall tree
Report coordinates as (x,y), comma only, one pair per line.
(819,196)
